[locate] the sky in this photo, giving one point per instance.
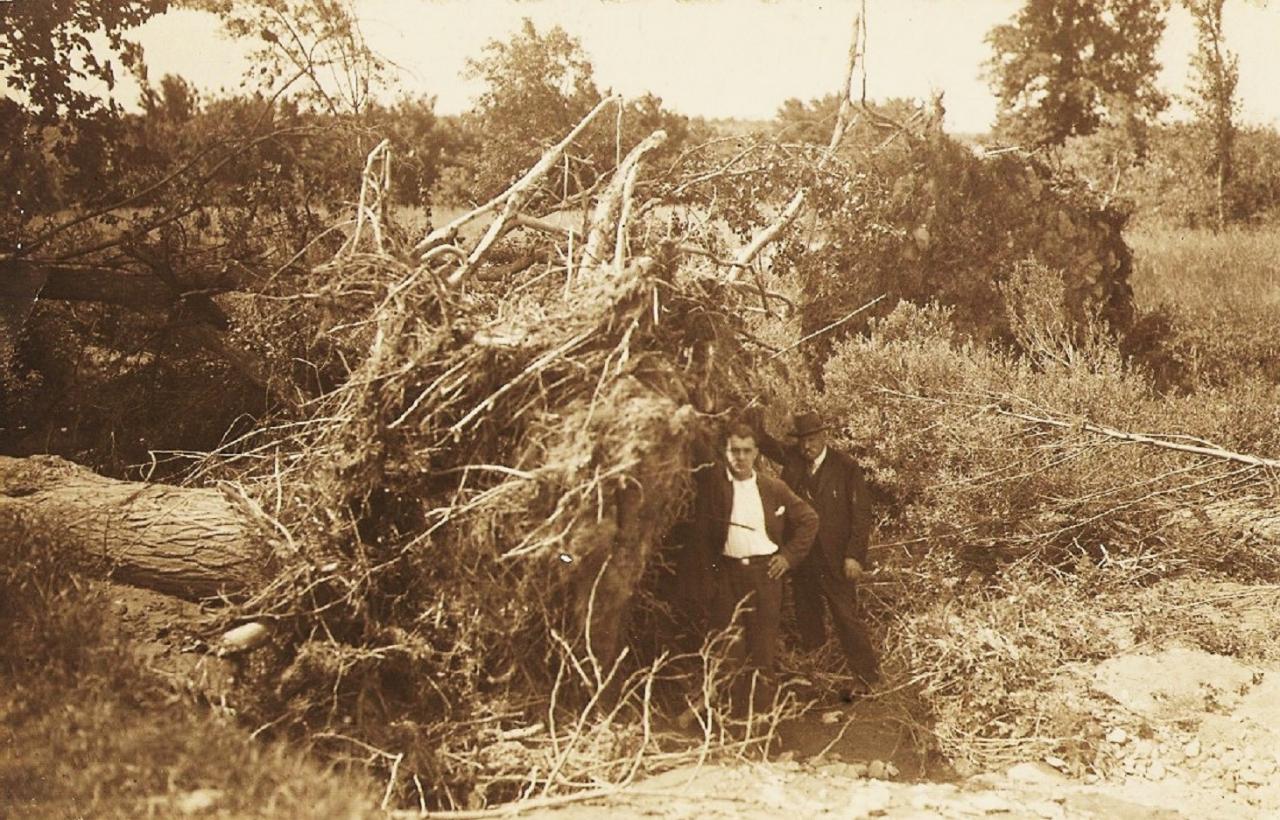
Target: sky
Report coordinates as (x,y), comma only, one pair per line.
(721,58)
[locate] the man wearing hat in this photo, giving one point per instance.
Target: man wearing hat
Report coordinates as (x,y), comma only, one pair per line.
(833,484)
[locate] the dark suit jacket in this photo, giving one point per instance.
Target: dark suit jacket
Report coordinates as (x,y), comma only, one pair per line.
(839,496)
(788,520)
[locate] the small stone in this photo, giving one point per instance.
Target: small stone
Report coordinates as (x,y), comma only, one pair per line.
(832,717)
(876,770)
(1036,773)
(890,770)
(841,771)
(1117,736)
(1156,771)
(1143,747)
(198,801)
(857,769)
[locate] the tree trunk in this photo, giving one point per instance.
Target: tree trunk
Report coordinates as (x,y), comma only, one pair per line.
(191,543)
(21,280)
(1222,195)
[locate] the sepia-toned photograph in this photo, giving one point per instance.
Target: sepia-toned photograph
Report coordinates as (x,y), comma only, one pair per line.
(639,409)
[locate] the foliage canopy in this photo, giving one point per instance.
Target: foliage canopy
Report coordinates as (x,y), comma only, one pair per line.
(1064,68)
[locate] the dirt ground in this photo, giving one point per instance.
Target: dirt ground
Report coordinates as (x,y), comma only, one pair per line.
(1181,732)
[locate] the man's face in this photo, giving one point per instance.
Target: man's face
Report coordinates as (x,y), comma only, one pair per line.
(740,451)
(812,444)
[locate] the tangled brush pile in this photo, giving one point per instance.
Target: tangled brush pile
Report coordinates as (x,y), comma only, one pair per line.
(460,528)
(464,524)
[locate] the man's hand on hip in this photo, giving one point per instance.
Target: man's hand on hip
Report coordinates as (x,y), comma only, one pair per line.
(778,566)
(852,569)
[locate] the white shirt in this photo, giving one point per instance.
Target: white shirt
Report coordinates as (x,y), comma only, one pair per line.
(747,535)
(816,464)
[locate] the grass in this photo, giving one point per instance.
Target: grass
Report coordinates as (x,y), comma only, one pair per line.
(1199,271)
(1218,295)
(88,749)
(87,731)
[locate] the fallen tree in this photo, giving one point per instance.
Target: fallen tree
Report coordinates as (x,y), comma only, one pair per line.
(188,542)
(462,532)
(469,516)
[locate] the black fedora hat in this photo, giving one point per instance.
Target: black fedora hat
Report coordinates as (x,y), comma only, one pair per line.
(806,424)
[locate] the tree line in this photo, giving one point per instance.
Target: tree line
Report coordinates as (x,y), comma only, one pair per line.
(1077,80)
(158,241)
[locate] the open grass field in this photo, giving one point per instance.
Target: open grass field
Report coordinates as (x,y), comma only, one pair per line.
(1218,294)
(1236,271)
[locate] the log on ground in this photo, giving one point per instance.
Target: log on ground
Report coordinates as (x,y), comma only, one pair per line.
(188,542)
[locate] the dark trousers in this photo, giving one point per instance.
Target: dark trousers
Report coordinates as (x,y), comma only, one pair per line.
(762,612)
(817,588)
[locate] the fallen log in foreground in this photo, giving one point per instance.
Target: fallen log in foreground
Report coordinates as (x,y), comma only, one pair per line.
(191,543)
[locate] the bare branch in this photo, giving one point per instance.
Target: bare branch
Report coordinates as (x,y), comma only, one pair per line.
(772,231)
(831,326)
(517,190)
(1142,438)
(609,204)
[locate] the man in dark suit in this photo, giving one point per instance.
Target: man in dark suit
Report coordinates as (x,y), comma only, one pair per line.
(752,529)
(832,482)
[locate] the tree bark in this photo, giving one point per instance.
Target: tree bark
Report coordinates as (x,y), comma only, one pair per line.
(22,281)
(190,543)
(139,291)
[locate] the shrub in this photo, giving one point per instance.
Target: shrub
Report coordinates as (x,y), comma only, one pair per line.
(1008,517)
(932,221)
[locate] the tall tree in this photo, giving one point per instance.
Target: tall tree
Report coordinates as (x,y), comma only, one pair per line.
(1215,75)
(1064,68)
(47,54)
(537,87)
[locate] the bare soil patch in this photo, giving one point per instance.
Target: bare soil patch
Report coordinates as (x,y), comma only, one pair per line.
(1176,731)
